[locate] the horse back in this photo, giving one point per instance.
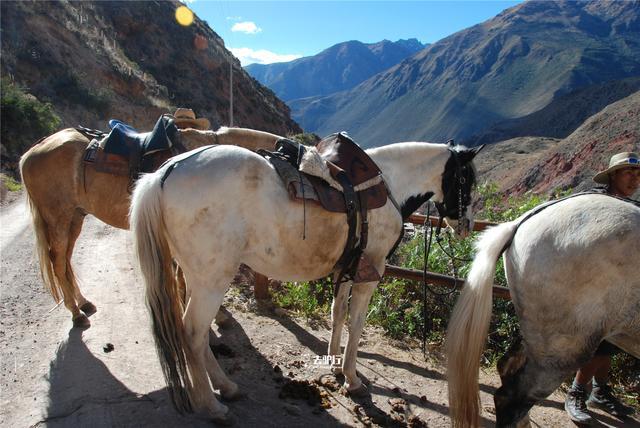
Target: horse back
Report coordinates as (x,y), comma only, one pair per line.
(577,257)
(49,158)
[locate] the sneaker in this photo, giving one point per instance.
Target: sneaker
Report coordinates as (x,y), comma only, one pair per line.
(576,406)
(602,397)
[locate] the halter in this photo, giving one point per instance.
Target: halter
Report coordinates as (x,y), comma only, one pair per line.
(460,181)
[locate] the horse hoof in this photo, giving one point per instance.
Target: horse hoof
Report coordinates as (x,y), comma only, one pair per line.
(357,391)
(89,308)
(222,320)
(81,322)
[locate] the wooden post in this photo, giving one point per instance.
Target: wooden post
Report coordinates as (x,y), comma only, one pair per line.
(261,289)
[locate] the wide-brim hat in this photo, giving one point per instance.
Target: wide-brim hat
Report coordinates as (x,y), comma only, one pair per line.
(186,118)
(618,161)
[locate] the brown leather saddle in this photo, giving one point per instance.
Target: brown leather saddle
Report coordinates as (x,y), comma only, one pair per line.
(351,167)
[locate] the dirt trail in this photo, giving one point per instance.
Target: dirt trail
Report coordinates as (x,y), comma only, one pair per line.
(54,375)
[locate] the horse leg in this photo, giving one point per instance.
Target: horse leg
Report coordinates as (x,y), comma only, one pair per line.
(221,317)
(360,297)
(74,231)
(200,311)
(58,251)
(524,383)
(338,316)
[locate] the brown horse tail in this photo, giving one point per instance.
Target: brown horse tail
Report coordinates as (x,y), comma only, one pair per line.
(43,245)
(468,327)
(162,291)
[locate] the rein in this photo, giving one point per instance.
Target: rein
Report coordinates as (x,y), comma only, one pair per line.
(425,286)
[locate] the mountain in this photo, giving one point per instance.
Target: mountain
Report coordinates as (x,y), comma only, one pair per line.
(508,67)
(129,60)
(561,116)
(337,68)
(541,164)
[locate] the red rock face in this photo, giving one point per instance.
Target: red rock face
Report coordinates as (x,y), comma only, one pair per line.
(572,162)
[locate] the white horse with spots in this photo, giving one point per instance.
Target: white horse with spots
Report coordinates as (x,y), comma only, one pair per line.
(573,273)
(225,206)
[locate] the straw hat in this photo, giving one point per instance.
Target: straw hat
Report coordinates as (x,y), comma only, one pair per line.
(186,118)
(618,161)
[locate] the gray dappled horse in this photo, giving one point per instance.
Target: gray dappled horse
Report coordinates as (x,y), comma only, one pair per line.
(572,269)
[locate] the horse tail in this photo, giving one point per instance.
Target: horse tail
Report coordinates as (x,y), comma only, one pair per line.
(469,325)
(41,232)
(162,289)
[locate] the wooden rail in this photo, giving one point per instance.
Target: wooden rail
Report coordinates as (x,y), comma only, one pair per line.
(438,279)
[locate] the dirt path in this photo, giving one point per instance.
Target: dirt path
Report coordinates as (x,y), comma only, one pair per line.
(54,375)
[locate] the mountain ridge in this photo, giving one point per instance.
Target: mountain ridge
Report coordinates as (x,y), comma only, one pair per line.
(507,67)
(339,67)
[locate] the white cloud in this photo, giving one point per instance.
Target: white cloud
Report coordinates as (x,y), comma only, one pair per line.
(246,27)
(262,56)
(233,18)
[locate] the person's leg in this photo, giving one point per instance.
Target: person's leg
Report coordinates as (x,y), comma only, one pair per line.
(601,393)
(576,401)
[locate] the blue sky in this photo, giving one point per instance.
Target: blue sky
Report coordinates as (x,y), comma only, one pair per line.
(276,31)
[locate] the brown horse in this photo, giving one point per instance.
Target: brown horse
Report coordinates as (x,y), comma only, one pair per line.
(61,192)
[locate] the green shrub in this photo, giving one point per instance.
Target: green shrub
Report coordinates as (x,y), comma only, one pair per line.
(308,139)
(10,183)
(306,298)
(24,120)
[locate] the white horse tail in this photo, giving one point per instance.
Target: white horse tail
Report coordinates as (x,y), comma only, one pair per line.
(162,290)
(469,326)
(43,245)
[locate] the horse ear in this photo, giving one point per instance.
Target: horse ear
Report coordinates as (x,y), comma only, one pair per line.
(477,150)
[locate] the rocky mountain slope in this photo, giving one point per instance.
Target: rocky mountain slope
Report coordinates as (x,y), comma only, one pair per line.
(335,69)
(129,60)
(508,67)
(561,116)
(542,165)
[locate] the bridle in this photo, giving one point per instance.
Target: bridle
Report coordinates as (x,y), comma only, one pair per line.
(460,177)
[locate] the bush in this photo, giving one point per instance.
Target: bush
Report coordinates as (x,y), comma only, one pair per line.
(307,139)
(24,121)
(306,298)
